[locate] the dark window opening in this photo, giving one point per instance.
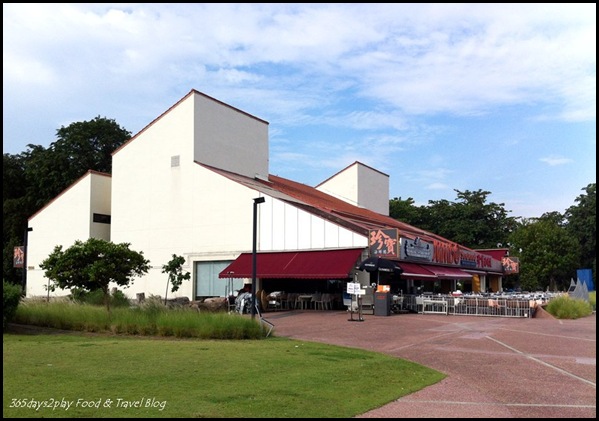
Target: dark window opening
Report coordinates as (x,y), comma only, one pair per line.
(101,218)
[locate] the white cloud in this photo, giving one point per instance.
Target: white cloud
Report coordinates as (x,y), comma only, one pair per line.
(555,160)
(386,84)
(437,186)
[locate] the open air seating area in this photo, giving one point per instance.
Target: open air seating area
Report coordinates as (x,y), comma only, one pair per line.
(281,300)
(498,305)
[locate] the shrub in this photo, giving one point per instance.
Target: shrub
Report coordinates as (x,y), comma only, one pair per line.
(96,297)
(565,307)
(11,296)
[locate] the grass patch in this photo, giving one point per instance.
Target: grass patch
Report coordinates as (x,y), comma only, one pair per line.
(114,376)
(154,319)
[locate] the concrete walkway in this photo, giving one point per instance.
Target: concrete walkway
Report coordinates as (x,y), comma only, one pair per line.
(497,367)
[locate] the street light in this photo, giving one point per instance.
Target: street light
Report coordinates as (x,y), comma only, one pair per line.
(257,201)
(24,281)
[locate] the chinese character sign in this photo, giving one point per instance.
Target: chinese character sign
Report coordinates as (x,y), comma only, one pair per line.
(383,243)
(18,258)
(510,265)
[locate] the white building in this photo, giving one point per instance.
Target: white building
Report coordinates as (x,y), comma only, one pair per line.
(78,213)
(186,185)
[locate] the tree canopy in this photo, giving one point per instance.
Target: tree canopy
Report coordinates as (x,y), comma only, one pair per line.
(469,221)
(94,265)
(582,224)
(548,253)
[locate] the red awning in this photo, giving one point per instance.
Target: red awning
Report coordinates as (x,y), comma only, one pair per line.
(414,271)
(327,264)
(444,272)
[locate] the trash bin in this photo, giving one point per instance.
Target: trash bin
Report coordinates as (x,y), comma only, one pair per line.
(382,304)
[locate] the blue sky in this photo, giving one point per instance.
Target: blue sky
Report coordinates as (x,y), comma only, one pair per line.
(441,97)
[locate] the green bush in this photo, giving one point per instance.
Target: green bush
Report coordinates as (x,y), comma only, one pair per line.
(565,307)
(96,297)
(11,295)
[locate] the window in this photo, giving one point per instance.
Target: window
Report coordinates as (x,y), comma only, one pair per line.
(101,218)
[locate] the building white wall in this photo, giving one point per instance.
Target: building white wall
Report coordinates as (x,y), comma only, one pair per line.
(186,210)
(63,221)
(285,227)
(150,197)
(220,227)
(100,202)
(360,185)
(230,139)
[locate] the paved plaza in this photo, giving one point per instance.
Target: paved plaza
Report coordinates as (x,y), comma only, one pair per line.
(496,367)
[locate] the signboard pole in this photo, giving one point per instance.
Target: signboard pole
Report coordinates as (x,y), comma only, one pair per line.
(354,289)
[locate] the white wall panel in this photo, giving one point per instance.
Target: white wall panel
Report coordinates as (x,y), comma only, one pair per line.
(291,228)
(150,198)
(304,227)
(360,185)
(331,235)
(230,139)
(63,221)
(100,202)
(346,238)
(266,233)
(278,224)
(317,227)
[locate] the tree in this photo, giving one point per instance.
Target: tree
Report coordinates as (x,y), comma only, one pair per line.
(93,265)
(548,253)
(33,178)
(176,276)
(582,224)
(80,147)
(406,211)
(15,209)
(469,221)
(472,221)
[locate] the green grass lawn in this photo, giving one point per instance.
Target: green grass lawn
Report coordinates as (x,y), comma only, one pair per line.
(95,376)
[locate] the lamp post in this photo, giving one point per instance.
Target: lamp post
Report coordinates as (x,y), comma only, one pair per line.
(24,281)
(230,283)
(257,201)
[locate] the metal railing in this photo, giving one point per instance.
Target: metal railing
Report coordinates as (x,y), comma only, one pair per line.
(475,305)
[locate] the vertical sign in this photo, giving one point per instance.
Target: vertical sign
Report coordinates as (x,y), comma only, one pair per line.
(18,258)
(384,242)
(510,265)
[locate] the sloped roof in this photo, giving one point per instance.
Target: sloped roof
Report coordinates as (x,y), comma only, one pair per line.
(89,173)
(314,201)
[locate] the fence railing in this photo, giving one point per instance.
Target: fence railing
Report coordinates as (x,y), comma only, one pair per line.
(467,305)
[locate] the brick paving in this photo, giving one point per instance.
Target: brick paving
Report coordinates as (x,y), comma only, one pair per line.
(496,367)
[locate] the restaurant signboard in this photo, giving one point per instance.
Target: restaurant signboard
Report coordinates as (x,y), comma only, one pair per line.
(384,242)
